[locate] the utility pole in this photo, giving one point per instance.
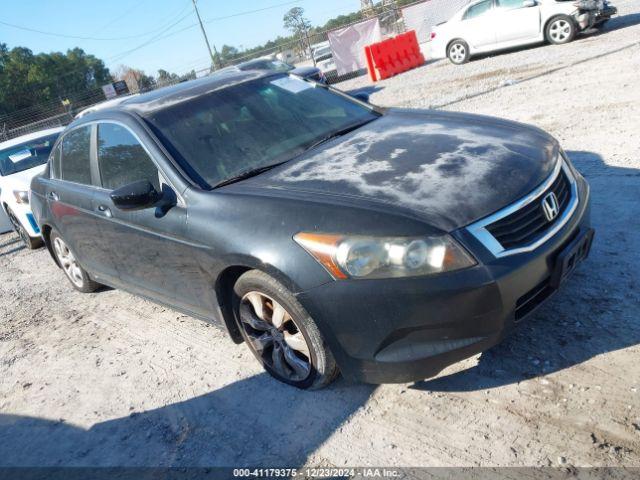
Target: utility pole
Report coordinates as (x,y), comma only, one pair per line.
(204,34)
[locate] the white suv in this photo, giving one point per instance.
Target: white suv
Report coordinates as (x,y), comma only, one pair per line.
(490,25)
(21,159)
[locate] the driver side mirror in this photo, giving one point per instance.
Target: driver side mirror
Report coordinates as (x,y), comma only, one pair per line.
(136,196)
(362,96)
(529,3)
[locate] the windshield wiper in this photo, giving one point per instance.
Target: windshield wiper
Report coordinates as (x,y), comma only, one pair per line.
(251,172)
(337,133)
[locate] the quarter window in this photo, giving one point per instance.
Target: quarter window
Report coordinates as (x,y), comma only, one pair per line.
(478,9)
(121,158)
(75,156)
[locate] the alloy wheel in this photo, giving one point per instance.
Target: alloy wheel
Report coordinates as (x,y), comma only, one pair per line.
(457,52)
(560,30)
(68,262)
(275,337)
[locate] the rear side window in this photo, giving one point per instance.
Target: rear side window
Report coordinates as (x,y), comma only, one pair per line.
(76,165)
(121,158)
(478,9)
(509,4)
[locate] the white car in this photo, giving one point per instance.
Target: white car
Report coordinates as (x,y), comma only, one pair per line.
(21,159)
(490,25)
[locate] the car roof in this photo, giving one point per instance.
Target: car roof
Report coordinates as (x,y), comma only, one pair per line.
(106,104)
(30,136)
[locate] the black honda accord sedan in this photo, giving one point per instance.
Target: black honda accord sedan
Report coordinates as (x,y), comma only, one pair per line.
(328,234)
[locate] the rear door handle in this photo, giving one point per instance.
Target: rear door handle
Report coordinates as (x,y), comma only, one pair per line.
(106,211)
(54,196)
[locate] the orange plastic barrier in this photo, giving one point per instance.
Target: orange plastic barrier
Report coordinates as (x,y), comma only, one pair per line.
(393,55)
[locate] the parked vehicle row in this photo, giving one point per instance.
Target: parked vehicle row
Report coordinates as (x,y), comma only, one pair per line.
(490,25)
(325,233)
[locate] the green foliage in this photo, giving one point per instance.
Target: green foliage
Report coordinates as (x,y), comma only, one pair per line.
(36,82)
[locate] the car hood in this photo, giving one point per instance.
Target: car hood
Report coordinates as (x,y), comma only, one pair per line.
(449,169)
(21,180)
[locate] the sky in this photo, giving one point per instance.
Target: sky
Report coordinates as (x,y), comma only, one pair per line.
(131,32)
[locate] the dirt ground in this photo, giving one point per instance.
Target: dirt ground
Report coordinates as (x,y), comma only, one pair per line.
(110,379)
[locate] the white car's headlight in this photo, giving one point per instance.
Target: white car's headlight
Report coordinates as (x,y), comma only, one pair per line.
(22,196)
(347,256)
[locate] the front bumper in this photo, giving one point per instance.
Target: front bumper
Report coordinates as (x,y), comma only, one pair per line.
(403,330)
(23,214)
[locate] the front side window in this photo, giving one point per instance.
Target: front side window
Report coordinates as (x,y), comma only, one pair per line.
(76,159)
(252,125)
(26,155)
(478,9)
(121,158)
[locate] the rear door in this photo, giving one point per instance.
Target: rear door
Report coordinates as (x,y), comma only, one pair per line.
(516,20)
(478,26)
(70,193)
(152,256)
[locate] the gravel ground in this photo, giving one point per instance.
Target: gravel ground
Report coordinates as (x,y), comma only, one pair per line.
(109,379)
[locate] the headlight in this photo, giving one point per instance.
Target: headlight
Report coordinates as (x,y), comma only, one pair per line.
(384,257)
(22,196)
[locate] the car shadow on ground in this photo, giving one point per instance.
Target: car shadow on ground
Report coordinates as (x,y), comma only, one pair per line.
(620,21)
(252,422)
(590,314)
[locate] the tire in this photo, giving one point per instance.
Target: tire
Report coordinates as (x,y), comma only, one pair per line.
(257,297)
(560,29)
(77,276)
(458,52)
(28,241)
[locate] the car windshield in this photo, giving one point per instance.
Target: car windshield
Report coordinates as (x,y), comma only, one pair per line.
(252,125)
(26,155)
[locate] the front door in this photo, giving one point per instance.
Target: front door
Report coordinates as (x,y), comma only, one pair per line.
(517,20)
(148,246)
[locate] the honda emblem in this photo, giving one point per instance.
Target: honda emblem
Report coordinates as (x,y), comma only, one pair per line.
(550,206)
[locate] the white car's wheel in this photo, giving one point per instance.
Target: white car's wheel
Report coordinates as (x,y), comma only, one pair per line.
(458,52)
(29,242)
(560,29)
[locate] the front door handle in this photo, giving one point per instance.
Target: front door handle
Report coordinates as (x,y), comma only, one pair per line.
(106,211)
(54,196)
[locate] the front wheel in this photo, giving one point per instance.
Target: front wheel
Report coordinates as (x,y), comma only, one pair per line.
(29,242)
(280,333)
(560,29)
(77,275)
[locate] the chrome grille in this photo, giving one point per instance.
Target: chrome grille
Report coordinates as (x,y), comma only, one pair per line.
(523,226)
(526,224)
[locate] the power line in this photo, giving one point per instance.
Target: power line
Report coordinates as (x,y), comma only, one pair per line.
(249,12)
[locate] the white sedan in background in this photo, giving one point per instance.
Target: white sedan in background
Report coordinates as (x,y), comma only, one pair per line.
(490,25)
(21,159)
